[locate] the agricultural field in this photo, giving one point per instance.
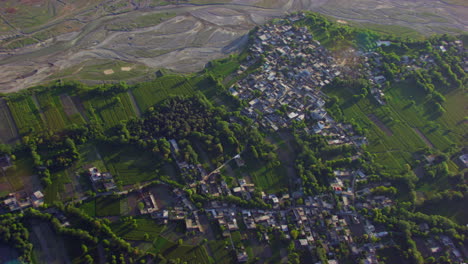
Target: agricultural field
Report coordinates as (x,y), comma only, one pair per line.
(222,68)
(186,253)
(130,165)
(15,177)
(56,190)
(266,177)
(391,137)
(110,111)
(8,131)
(103,206)
(144,226)
(220,253)
(25,114)
(150,93)
(51,108)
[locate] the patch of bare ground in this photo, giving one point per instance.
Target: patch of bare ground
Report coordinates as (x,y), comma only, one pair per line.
(68,106)
(134,103)
(380,124)
(423,137)
(80,107)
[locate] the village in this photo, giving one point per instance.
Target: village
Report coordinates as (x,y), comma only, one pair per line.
(287,88)
(284,91)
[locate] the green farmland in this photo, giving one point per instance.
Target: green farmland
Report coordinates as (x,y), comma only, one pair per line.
(186,253)
(110,111)
(129,165)
(52,110)
(25,114)
(398,129)
(151,93)
(143,226)
(103,206)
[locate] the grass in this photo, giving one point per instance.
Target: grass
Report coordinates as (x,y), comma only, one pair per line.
(89,208)
(130,165)
(224,67)
(401,31)
(54,192)
(150,93)
(454,210)
(25,114)
(144,226)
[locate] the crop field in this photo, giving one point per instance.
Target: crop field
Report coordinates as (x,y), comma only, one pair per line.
(130,165)
(411,126)
(151,93)
(103,206)
(224,67)
(17,174)
(144,226)
(456,113)
(52,109)
(189,254)
(186,253)
(8,132)
(220,253)
(392,149)
(110,111)
(70,109)
(55,191)
(25,114)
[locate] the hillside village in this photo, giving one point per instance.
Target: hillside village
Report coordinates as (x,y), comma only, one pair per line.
(285,90)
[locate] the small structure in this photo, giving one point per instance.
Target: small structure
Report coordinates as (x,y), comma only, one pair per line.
(5,162)
(242,257)
(464,159)
(101,180)
(37,199)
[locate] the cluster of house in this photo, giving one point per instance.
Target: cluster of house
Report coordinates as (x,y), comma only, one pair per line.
(287,88)
(21,200)
(101,180)
(439,246)
(184,210)
(190,172)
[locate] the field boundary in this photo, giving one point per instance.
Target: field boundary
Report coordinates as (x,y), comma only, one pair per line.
(380,124)
(423,137)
